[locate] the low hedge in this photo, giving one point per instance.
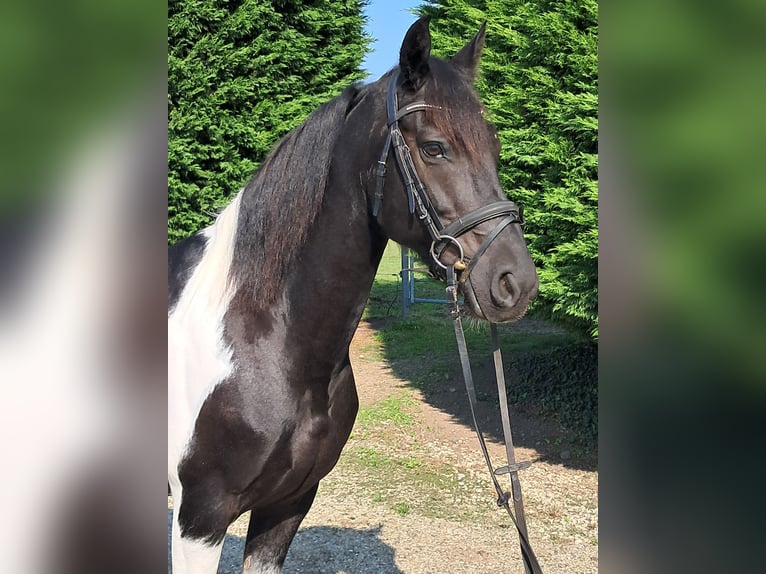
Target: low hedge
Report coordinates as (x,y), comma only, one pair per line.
(561,382)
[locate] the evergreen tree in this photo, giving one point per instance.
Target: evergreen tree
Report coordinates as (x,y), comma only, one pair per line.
(242,73)
(539,82)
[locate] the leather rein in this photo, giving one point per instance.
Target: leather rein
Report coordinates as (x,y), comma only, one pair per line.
(441,237)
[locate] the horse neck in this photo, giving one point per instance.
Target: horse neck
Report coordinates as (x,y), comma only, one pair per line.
(321,300)
(329,287)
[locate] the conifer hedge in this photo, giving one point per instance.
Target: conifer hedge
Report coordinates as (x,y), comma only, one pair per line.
(539,82)
(242,73)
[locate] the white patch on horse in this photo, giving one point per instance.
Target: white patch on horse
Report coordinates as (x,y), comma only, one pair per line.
(253,566)
(198,358)
(191,556)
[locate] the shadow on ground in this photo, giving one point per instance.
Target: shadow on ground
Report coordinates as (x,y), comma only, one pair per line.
(447,393)
(318,550)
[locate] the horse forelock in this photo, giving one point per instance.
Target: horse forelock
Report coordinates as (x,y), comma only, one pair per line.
(457,111)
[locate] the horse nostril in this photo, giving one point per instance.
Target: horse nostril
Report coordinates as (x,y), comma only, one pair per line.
(509,282)
(506,292)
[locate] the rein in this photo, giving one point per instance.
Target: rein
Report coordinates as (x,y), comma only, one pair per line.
(441,237)
(531,565)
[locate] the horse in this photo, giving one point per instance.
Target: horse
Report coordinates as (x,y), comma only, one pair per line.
(262,305)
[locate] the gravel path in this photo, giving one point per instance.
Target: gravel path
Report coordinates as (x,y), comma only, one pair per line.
(414,497)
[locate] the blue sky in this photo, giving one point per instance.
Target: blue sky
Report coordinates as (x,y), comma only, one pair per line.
(388,21)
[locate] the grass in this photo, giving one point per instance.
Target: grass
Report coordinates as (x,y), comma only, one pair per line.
(395,409)
(401,508)
(371,352)
(407,485)
(371,458)
(428,330)
(386,294)
(396,472)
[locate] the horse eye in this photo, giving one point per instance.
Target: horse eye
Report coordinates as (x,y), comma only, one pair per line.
(433,149)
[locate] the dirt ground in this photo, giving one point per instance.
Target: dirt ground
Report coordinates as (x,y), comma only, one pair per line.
(414,497)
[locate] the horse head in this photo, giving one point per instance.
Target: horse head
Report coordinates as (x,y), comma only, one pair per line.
(443,153)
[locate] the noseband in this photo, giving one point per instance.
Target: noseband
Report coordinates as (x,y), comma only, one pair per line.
(417,196)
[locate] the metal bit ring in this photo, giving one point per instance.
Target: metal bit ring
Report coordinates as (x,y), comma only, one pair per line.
(460,261)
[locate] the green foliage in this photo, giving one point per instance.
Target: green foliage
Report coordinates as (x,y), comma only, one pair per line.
(539,81)
(71,73)
(402,508)
(563,382)
(241,74)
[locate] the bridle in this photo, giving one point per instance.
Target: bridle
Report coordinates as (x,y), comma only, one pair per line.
(441,237)
(417,197)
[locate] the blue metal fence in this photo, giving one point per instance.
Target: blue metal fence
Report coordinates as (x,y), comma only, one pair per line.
(409,281)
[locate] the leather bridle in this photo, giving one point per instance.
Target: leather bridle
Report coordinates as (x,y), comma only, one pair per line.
(441,237)
(418,201)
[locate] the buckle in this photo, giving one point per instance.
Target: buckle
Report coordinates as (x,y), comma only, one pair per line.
(513,468)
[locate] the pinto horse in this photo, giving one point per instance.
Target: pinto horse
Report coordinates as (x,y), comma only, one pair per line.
(263,303)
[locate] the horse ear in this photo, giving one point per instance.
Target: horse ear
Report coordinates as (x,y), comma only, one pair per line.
(414,54)
(467,59)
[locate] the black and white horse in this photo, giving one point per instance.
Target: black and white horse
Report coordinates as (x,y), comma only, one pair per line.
(264,302)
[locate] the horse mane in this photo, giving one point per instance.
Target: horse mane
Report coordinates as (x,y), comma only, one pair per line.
(282,199)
